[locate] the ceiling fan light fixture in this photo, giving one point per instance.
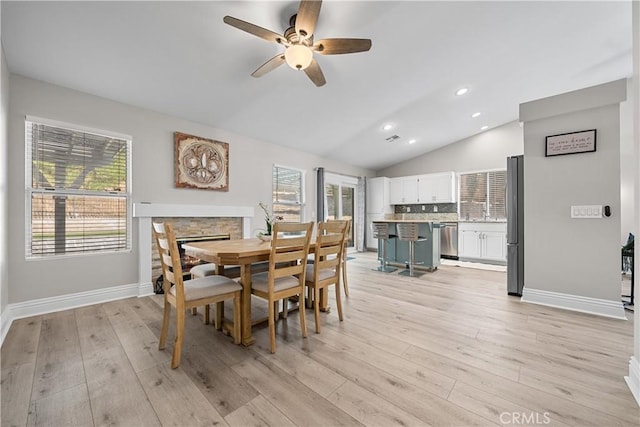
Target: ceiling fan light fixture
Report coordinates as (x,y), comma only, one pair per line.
(298,56)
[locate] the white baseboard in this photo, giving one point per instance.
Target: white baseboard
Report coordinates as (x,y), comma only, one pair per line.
(65,302)
(145,289)
(600,307)
(633,380)
(6,321)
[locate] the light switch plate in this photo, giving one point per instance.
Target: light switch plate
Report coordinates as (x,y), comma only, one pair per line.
(586,211)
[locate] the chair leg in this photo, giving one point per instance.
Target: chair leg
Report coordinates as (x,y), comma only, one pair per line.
(177,347)
(276,312)
(344,276)
(194,311)
(272,327)
(285,307)
(206,314)
(309,300)
(165,325)
(219,315)
(303,320)
(236,318)
(338,301)
(316,307)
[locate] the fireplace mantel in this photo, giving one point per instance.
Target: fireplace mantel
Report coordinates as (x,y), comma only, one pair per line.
(144,212)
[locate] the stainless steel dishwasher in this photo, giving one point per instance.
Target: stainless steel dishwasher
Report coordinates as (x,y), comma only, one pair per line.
(449,240)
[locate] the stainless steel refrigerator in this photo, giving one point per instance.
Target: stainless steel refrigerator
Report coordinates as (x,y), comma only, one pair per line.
(515,225)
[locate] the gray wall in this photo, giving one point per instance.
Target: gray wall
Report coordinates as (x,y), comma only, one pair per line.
(4,110)
(486,150)
(153,180)
(627,164)
(563,255)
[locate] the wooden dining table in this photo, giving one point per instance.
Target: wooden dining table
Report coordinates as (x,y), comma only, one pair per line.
(241,252)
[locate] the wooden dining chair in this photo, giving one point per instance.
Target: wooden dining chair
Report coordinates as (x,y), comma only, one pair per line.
(343,264)
(286,275)
(197,272)
(186,294)
(325,270)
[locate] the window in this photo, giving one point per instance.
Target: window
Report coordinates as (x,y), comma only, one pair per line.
(483,196)
(288,193)
(78,190)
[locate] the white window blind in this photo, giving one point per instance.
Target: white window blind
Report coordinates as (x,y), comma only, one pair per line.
(288,193)
(78,191)
(483,196)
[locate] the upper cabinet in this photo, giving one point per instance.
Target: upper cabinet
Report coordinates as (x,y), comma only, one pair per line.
(403,190)
(378,195)
(430,188)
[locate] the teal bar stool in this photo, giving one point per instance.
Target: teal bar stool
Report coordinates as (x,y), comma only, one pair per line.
(381,232)
(408,232)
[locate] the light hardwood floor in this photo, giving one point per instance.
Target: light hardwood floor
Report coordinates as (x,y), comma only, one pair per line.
(448,348)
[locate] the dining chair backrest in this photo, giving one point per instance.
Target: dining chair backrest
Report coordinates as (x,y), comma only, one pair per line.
(169,258)
(330,246)
(289,250)
(325,270)
(343,265)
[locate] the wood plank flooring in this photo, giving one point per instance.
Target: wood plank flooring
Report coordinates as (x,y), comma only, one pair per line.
(447,349)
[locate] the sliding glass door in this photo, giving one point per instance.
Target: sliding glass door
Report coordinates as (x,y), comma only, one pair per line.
(340,200)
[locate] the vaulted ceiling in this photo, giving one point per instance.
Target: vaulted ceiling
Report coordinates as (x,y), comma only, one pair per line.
(179,58)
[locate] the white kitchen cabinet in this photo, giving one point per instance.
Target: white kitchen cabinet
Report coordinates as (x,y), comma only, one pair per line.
(428,188)
(445,187)
(378,193)
(482,241)
(403,190)
(494,245)
(468,243)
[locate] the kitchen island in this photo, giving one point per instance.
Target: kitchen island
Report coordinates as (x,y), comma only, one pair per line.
(427,249)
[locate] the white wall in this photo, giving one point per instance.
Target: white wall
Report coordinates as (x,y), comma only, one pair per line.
(4,111)
(153,180)
(487,150)
(564,256)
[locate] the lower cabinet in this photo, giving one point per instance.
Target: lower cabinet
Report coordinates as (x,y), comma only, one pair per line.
(427,251)
(482,241)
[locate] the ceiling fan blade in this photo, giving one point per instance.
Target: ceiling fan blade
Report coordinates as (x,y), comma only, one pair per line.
(307,17)
(270,65)
(315,73)
(250,28)
(339,46)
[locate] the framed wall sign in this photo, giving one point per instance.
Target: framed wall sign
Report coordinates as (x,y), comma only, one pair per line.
(571,143)
(201,163)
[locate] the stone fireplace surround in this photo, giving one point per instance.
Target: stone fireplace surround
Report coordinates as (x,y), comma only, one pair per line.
(145,212)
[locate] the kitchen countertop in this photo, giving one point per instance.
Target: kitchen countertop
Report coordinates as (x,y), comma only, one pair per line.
(419,221)
(479,221)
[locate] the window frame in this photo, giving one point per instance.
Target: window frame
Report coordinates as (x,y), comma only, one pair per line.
(30,190)
(488,193)
(302,202)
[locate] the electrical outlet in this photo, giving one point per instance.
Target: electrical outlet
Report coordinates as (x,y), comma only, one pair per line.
(424,207)
(435,208)
(586,211)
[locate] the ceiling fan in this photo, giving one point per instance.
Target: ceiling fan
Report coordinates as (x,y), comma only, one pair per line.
(299,44)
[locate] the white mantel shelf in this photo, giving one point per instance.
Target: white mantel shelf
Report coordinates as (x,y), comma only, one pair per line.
(145,211)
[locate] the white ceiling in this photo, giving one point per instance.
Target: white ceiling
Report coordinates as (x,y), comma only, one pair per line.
(179,58)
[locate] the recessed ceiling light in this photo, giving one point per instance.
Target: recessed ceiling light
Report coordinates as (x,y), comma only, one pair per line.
(474,115)
(388,126)
(412,141)
(462,91)
(484,127)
